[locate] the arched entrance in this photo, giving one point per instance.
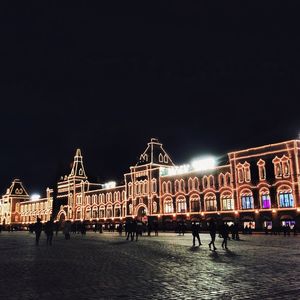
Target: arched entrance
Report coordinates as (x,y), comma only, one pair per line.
(141,211)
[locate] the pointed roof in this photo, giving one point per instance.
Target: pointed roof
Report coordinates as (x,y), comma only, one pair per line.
(78,171)
(155,154)
(17,189)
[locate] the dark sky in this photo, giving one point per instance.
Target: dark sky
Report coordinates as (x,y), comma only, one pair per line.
(202,79)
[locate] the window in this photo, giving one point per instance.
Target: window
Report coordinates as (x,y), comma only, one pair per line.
(181,205)
(266,201)
(130,209)
(130,189)
(95,213)
(190,184)
(164,187)
(210,202)
(261,169)
(176,186)
(211,181)
(154,190)
(182,188)
(109,212)
(117,211)
(247,201)
(154,207)
(247,172)
(286,199)
(277,167)
(205,182)
(285,166)
(102,212)
(160,158)
(195,204)
(168,205)
(169,185)
(240,175)
(265,198)
(166,158)
(221,180)
(196,183)
(227,202)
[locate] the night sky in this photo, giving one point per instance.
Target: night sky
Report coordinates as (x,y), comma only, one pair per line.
(107,78)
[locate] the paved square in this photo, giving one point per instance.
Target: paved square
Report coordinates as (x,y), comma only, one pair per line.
(106,266)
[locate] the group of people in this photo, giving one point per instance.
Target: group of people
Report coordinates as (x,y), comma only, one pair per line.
(223,229)
(135,228)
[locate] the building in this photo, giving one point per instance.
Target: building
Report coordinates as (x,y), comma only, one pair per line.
(257,187)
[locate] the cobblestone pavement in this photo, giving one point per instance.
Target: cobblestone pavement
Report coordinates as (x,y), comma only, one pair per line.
(106,266)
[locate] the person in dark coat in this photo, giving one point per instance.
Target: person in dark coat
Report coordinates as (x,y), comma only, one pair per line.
(120,229)
(156,228)
(195,233)
(49,231)
(212,227)
(38,229)
(224,231)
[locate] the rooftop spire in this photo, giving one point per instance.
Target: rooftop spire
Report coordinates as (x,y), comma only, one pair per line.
(78,171)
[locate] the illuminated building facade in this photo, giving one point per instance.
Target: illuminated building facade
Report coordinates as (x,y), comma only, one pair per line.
(257,187)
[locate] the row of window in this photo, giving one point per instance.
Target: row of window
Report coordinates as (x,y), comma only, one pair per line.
(140,188)
(285,198)
(281,169)
(102,198)
(33,206)
(108,212)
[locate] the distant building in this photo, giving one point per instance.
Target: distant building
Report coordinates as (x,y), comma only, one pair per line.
(258,187)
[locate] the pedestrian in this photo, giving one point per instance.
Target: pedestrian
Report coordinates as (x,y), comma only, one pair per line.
(139,229)
(156,228)
(195,233)
(224,231)
(128,229)
(212,227)
(38,229)
(133,229)
(66,230)
(49,231)
(120,229)
(149,228)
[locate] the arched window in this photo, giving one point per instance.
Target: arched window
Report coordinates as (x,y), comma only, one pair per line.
(95,212)
(169,185)
(145,186)
(154,207)
(160,158)
(261,169)
(194,203)
(182,185)
(154,189)
(123,196)
(221,180)
(78,214)
(109,213)
(211,181)
(190,184)
(196,183)
(130,209)
(247,172)
(177,188)
(247,199)
(205,182)
(277,167)
(164,187)
(285,166)
(240,173)
(265,199)
(285,196)
(124,210)
(168,205)
(228,179)
(181,204)
(210,202)
(102,212)
(227,201)
(88,213)
(117,211)
(166,158)
(130,189)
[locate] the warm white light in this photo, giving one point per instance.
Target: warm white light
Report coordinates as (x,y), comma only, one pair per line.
(35,197)
(109,185)
(204,163)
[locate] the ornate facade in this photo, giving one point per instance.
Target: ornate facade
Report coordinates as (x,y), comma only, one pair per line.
(257,187)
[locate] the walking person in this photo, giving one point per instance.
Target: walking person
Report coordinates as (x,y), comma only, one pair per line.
(224,231)
(38,229)
(149,228)
(133,229)
(120,229)
(49,231)
(212,231)
(156,228)
(138,230)
(195,233)
(66,230)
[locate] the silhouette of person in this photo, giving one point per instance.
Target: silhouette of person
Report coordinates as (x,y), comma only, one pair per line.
(120,229)
(156,228)
(66,230)
(149,228)
(212,231)
(195,233)
(224,230)
(38,229)
(49,231)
